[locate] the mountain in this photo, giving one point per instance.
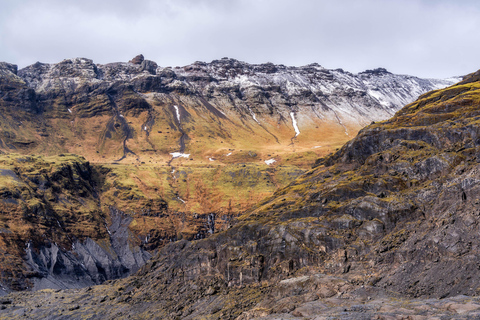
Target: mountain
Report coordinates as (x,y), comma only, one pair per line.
(391,216)
(127,111)
(164,154)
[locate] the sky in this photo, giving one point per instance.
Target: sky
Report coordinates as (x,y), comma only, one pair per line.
(426,38)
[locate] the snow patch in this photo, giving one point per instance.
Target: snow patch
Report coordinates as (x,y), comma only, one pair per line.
(229,154)
(270,161)
(211,159)
(316,147)
(145,128)
(297,131)
(378,96)
(177,112)
(121,116)
(179,154)
(69,110)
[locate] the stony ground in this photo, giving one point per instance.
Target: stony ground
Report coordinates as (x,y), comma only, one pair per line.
(364,302)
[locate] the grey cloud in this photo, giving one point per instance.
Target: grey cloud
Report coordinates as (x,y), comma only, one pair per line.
(419,37)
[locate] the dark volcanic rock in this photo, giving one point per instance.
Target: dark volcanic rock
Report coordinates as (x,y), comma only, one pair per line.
(138,59)
(149,66)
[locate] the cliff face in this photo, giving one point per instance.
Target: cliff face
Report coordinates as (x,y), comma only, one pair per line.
(53,232)
(394,210)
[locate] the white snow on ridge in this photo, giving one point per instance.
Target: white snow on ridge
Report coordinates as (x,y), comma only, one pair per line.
(177,112)
(297,131)
(179,154)
(211,159)
(270,161)
(229,154)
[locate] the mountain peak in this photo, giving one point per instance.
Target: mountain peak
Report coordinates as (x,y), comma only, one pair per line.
(9,67)
(377,71)
(137,59)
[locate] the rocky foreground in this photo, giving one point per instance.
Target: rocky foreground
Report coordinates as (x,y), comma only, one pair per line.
(386,227)
(316,297)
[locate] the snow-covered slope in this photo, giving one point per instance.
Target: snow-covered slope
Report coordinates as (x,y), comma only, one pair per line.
(311,90)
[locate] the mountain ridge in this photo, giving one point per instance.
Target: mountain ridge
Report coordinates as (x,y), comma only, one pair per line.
(179,153)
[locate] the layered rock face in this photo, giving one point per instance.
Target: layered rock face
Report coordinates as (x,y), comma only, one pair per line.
(169,154)
(394,210)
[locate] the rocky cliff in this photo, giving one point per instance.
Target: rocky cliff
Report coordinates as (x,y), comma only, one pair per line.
(53,232)
(394,210)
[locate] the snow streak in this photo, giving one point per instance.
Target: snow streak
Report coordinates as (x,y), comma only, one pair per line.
(181,199)
(297,131)
(177,112)
(253,115)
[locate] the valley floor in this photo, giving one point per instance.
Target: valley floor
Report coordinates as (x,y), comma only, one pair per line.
(365,302)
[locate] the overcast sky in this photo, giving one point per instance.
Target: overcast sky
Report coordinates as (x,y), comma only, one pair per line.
(427,38)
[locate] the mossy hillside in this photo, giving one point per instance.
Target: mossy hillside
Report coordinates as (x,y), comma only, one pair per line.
(459,101)
(175,204)
(149,193)
(50,189)
(143,129)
